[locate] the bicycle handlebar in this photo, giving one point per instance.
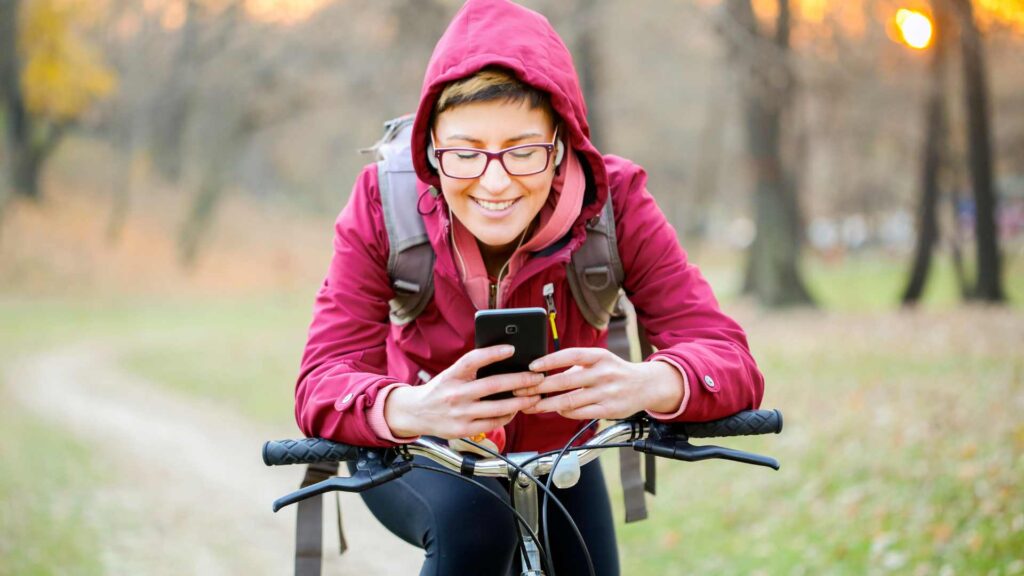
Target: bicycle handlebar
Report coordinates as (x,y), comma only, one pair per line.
(312,450)
(306,451)
(747,423)
(376,466)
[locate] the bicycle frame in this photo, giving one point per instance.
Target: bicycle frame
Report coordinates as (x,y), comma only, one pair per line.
(523,491)
(524,499)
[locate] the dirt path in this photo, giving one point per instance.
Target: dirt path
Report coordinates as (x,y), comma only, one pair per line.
(191,494)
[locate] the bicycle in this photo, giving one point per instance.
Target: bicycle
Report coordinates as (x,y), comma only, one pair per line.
(376,466)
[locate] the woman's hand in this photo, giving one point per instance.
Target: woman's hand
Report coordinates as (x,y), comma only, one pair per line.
(449,406)
(599,384)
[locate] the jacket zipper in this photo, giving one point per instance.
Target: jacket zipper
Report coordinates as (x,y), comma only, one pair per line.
(549,300)
(493,298)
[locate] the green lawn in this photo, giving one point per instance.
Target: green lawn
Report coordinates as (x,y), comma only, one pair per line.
(47,519)
(233,352)
(874,282)
(903,449)
(900,455)
(244,355)
(48,524)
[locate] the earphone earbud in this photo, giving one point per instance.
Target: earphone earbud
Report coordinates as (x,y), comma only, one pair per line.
(431,157)
(559,152)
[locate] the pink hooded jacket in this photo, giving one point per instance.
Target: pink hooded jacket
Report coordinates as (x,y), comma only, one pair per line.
(354,356)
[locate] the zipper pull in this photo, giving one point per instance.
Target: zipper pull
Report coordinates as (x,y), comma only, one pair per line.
(493,296)
(549,301)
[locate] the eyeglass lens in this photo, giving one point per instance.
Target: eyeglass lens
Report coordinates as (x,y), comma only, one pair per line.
(520,161)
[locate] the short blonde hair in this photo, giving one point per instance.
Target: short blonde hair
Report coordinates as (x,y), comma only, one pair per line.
(489,85)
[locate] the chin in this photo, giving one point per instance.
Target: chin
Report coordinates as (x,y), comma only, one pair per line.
(496,241)
(493,238)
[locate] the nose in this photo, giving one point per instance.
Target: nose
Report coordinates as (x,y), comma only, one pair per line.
(495,179)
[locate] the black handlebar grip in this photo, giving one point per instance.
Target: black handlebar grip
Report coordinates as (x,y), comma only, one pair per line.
(306,451)
(748,423)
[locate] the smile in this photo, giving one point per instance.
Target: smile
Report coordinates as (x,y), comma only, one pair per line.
(495,206)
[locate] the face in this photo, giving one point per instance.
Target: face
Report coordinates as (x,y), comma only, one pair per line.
(495,207)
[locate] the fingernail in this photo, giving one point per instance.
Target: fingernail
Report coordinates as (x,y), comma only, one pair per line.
(535,366)
(507,349)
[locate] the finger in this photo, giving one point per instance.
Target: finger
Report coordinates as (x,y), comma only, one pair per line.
(499,408)
(569,401)
(568,357)
(588,412)
(484,425)
(475,359)
(569,380)
(502,383)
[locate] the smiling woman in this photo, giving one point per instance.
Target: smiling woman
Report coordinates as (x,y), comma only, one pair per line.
(509,190)
(495,201)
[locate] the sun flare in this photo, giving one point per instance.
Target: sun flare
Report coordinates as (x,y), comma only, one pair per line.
(915,27)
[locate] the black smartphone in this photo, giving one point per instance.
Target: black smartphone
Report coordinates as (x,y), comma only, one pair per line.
(524,328)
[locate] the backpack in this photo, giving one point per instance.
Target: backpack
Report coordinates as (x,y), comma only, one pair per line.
(595,275)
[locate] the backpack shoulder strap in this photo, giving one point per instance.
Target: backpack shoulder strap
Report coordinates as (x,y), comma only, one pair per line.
(596,276)
(411,257)
(595,271)
(309,523)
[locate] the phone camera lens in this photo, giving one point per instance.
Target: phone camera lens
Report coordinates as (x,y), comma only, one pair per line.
(511,329)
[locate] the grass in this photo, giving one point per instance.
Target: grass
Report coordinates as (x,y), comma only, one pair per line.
(862,282)
(873,283)
(241,354)
(47,522)
(50,522)
(902,451)
(902,454)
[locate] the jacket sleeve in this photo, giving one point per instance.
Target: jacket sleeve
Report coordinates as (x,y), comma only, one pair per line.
(677,307)
(344,366)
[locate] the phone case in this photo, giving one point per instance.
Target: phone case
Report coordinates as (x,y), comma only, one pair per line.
(524,328)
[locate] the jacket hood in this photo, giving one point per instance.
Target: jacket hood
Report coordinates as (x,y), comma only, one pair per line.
(501,33)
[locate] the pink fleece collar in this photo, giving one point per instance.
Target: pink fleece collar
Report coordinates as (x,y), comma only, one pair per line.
(556,218)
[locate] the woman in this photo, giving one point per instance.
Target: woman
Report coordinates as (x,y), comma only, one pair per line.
(503,226)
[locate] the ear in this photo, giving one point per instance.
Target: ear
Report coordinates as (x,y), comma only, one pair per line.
(431,157)
(559,152)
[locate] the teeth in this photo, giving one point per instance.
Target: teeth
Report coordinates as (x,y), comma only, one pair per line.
(497,206)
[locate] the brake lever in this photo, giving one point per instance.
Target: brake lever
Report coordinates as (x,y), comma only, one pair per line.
(681,449)
(371,472)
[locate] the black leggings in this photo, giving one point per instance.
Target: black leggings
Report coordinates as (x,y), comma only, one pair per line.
(464,531)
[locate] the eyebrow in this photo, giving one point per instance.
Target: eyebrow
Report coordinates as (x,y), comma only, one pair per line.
(518,138)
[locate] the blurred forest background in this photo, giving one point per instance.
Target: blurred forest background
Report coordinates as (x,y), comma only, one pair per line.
(771,127)
(170,171)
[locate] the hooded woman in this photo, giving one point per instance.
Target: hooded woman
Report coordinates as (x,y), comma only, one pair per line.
(501,132)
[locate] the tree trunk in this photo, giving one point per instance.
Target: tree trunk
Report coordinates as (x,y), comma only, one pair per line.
(172,121)
(934,145)
(963,284)
(773,269)
(588,66)
(30,141)
(24,177)
(706,169)
(204,207)
(989,283)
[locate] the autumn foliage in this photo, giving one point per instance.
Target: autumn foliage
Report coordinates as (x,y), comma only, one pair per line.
(63,73)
